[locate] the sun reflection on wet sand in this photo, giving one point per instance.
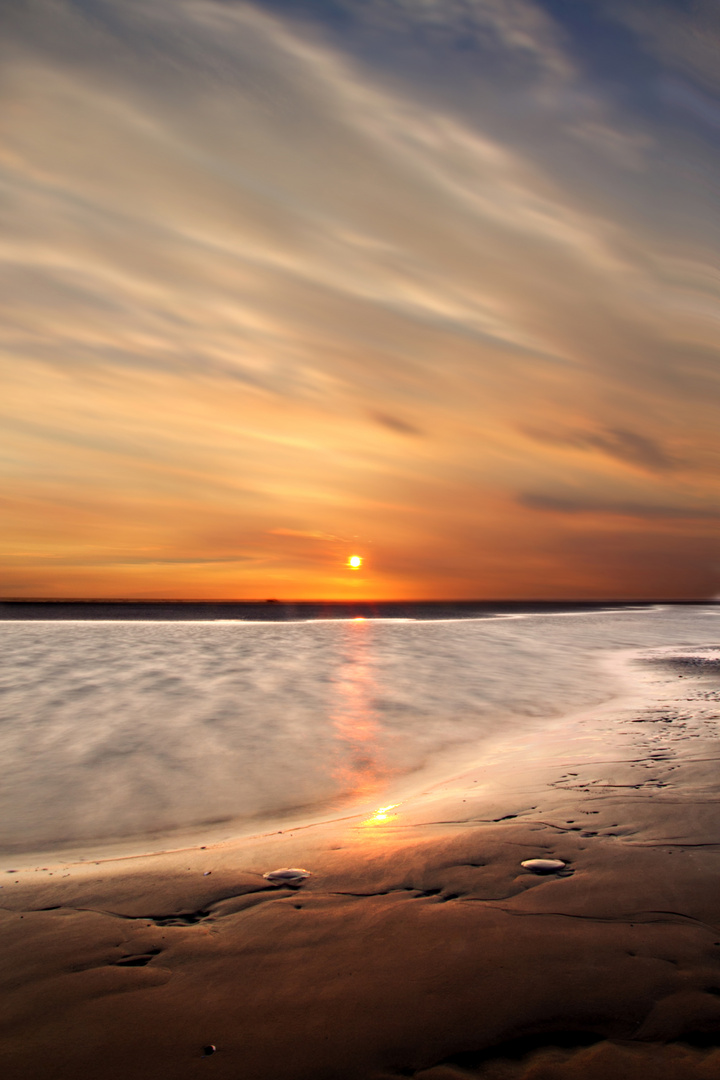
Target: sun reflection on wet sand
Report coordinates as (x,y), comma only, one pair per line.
(360,767)
(381,815)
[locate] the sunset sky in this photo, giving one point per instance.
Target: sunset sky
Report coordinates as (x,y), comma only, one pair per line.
(433,282)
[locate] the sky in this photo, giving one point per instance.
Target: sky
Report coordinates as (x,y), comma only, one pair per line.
(430,282)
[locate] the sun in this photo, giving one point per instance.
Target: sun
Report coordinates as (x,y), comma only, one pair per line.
(355,562)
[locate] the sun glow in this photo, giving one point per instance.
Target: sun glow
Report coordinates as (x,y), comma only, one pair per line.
(355,562)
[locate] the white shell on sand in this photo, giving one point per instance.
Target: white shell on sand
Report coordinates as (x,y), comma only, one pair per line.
(287,875)
(543,866)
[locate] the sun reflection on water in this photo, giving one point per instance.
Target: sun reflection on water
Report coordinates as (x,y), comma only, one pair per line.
(360,767)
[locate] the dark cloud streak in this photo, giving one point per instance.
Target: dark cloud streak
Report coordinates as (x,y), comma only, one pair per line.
(619,443)
(566,505)
(395,423)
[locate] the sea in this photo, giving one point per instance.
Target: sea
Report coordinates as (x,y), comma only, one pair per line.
(142,723)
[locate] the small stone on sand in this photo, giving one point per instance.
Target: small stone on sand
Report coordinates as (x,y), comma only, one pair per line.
(543,866)
(209,1049)
(287,875)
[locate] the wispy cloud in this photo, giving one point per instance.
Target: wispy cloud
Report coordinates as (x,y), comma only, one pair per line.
(684,37)
(255,271)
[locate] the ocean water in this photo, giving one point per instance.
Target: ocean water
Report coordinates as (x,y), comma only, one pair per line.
(118,729)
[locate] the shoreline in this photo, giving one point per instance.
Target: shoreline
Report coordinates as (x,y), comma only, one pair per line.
(419,786)
(419,946)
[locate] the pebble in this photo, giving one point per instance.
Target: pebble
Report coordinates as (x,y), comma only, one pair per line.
(287,875)
(543,866)
(209,1049)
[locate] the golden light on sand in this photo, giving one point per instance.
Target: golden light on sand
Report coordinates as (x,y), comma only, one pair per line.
(355,562)
(381,815)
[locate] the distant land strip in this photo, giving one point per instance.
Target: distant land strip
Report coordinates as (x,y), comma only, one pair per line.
(297,610)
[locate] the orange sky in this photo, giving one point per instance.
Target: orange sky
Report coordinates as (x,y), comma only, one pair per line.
(282,289)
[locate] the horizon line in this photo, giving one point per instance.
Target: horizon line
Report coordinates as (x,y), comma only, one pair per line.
(355,600)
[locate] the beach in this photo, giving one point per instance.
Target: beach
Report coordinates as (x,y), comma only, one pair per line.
(360,606)
(418,945)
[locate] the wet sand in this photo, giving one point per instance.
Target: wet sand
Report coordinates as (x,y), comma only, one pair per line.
(419,946)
